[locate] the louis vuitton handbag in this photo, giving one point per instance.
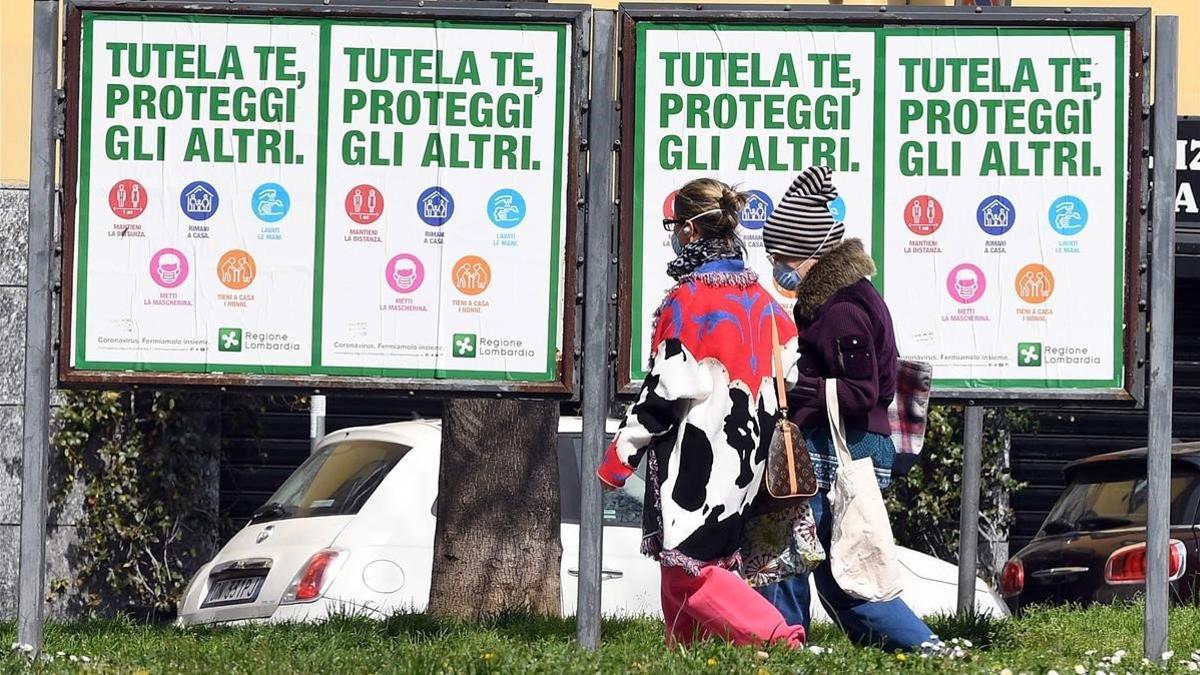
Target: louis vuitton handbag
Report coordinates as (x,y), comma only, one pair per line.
(789,467)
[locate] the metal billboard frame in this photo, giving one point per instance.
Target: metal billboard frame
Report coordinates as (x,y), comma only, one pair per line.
(1136,21)
(579,17)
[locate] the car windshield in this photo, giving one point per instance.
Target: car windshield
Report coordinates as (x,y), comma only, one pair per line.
(622,507)
(1092,503)
(336,481)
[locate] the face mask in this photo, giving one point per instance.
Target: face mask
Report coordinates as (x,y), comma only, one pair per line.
(676,245)
(786,276)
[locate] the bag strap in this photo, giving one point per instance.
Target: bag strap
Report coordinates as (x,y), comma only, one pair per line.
(836,429)
(781,392)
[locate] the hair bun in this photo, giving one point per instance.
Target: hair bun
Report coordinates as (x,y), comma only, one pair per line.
(732,202)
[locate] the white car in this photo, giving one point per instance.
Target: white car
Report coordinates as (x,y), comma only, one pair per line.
(351,532)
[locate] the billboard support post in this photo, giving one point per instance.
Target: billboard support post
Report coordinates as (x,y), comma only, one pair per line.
(31,605)
(596,377)
(1162,336)
(968,524)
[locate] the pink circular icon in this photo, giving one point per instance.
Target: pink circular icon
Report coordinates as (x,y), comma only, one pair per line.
(966,283)
(169,267)
(405,273)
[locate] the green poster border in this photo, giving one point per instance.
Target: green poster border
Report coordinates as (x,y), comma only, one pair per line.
(325,25)
(1119,232)
(637,371)
(637,311)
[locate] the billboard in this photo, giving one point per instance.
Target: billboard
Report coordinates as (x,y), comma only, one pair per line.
(987,170)
(324,199)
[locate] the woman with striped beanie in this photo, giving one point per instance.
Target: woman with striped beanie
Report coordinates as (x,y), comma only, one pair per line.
(845,333)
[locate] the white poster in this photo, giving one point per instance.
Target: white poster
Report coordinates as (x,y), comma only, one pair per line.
(197,195)
(1004,221)
(752,108)
(984,168)
(444,208)
(321,197)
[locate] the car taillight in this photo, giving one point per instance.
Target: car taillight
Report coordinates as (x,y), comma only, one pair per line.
(1128,565)
(313,579)
(1012,578)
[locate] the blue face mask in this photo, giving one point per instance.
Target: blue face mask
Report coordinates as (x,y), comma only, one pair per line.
(676,245)
(787,277)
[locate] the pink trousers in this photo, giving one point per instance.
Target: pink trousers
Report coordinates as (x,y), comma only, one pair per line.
(719,603)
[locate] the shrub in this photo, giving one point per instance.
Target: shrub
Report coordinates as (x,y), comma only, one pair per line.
(925,503)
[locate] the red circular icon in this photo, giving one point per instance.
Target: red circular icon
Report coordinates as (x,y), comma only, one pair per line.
(923,215)
(669,205)
(364,204)
(127,199)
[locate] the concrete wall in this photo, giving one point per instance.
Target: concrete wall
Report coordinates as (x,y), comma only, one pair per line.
(65,517)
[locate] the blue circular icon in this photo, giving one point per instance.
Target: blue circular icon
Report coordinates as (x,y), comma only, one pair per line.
(435,206)
(506,208)
(199,200)
(996,215)
(270,202)
(1068,215)
(837,208)
(756,211)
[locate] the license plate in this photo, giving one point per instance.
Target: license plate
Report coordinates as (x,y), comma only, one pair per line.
(233,591)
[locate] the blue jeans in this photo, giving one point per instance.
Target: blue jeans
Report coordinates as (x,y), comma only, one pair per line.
(890,625)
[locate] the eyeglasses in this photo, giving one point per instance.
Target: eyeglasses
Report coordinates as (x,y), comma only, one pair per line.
(670,223)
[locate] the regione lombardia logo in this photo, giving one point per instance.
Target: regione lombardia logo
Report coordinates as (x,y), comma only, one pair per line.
(435,206)
(229,340)
(1029,354)
(464,345)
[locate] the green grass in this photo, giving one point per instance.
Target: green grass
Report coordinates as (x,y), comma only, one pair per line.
(1057,639)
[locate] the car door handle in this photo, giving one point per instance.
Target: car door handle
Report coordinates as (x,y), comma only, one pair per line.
(605,574)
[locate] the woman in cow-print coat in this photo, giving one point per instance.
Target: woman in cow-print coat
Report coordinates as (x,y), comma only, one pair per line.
(702,424)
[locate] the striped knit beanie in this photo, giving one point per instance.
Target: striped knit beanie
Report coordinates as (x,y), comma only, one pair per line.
(801,224)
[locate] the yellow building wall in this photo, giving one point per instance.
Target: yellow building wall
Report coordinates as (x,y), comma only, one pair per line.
(16,28)
(1188,12)
(16,54)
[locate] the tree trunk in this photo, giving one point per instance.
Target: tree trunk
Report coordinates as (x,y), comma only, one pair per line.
(497,543)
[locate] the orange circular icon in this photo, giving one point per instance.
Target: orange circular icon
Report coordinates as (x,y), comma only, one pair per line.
(236,269)
(1035,283)
(471,275)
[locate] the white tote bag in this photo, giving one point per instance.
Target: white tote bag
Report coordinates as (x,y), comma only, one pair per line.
(863,552)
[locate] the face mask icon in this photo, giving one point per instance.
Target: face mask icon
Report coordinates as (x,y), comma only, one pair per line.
(405,275)
(169,268)
(966,282)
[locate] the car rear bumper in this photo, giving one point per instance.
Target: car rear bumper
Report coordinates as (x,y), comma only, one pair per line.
(307,612)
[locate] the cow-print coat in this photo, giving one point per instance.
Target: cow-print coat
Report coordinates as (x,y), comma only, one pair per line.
(704,416)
